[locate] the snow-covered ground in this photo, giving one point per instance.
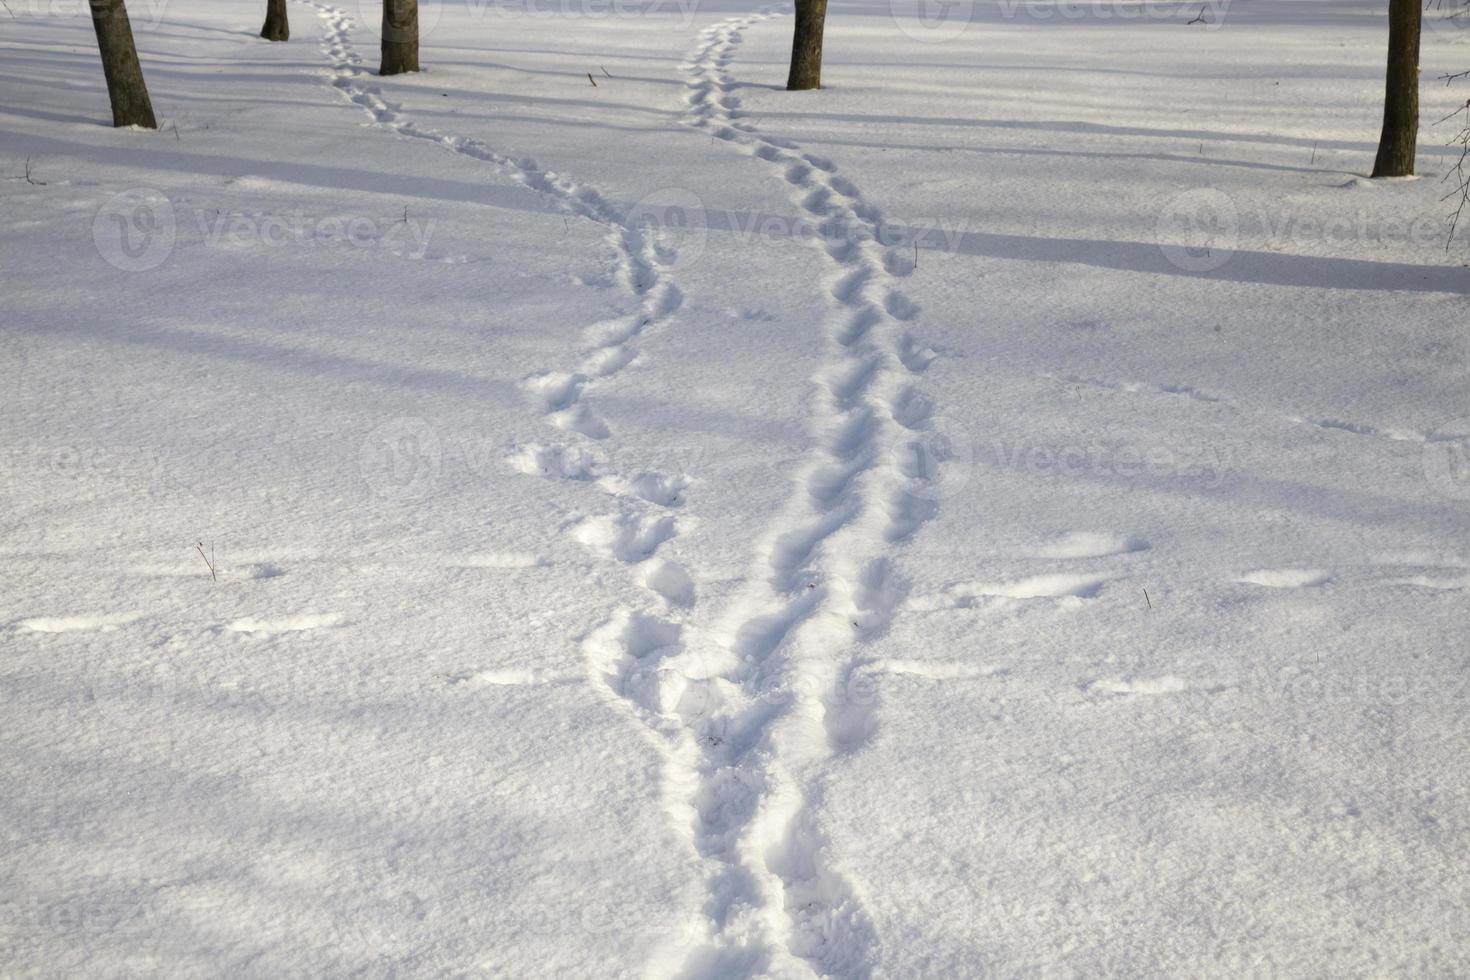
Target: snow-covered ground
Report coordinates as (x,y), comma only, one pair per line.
(1004,514)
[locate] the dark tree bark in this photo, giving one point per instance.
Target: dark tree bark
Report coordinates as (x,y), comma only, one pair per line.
(1401,98)
(806,46)
(125,88)
(277,24)
(400,37)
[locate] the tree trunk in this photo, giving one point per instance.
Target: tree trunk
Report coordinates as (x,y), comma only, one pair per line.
(1401,99)
(130,105)
(806,46)
(400,37)
(277,25)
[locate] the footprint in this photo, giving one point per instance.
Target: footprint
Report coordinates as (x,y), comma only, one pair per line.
(101,622)
(611,333)
(580,418)
(911,408)
(863,319)
(899,306)
(628,652)
(669,580)
(849,289)
(1038,587)
(665,491)
(898,262)
(1286,578)
(284,624)
(608,361)
(914,355)
(554,390)
(627,537)
(556,462)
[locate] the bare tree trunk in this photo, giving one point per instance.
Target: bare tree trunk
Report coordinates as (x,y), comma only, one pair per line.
(806,46)
(400,37)
(277,24)
(1401,98)
(125,88)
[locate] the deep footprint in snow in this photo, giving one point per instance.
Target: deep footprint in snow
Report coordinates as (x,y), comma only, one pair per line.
(627,537)
(656,488)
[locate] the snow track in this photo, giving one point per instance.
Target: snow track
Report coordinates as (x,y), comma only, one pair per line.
(752,706)
(559,394)
(753,709)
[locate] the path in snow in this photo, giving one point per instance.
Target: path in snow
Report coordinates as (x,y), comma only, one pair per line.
(751,708)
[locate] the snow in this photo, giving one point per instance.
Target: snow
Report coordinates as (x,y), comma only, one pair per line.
(1002,514)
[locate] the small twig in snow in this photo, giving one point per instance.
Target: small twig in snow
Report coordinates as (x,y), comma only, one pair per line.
(208,559)
(591,79)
